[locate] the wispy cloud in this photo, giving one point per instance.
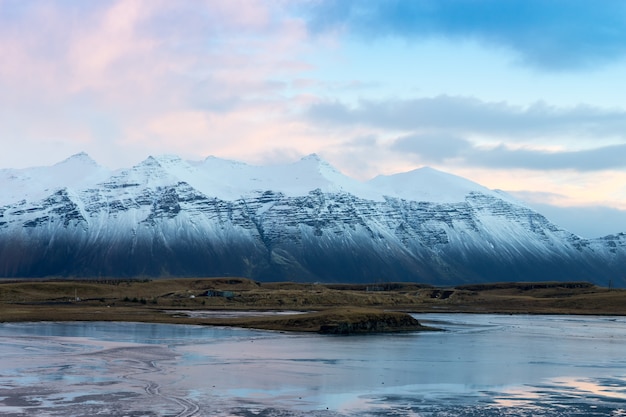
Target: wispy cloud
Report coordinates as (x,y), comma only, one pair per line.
(441,149)
(550,35)
(471,116)
(182,77)
(464,131)
(603,158)
(434,148)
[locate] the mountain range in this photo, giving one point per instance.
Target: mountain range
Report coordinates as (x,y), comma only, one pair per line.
(303,221)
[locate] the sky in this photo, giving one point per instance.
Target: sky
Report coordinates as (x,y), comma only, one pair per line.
(526,96)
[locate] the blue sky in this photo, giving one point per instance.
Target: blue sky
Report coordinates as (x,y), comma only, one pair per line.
(525,96)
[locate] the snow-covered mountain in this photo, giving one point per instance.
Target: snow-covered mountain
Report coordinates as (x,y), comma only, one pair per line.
(303,221)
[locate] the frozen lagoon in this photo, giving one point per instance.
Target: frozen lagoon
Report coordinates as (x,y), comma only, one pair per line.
(483,365)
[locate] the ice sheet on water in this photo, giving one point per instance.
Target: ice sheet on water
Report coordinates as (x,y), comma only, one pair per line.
(482,366)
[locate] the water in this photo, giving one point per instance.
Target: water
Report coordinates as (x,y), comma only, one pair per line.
(483,365)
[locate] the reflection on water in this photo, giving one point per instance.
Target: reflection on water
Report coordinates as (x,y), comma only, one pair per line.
(234,313)
(483,365)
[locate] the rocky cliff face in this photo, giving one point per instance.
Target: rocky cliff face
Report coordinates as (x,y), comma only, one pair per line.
(304,221)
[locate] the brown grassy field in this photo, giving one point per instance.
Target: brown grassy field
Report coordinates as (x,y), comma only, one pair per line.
(326,305)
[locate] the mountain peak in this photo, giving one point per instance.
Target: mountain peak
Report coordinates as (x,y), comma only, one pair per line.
(312,157)
(161,159)
(81,158)
(427,184)
(316,161)
(168,159)
(214,160)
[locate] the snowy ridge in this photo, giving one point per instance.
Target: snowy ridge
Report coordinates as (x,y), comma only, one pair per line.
(299,221)
(229,180)
(77,171)
(427,184)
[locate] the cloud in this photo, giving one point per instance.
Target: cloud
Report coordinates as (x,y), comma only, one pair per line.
(125,47)
(137,76)
(471,116)
(438,149)
(434,148)
(551,35)
(603,158)
(467,132)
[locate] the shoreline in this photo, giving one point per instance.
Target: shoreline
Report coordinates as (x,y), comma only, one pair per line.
(322,308)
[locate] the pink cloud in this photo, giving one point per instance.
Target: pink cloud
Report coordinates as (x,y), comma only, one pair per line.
(156,77)
(122,44)
(107,50)
(242,14)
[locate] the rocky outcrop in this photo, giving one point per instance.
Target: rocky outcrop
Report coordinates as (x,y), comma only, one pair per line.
(339,321)
(381,322)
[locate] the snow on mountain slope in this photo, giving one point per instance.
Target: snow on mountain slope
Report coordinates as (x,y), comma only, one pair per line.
(429,184)
(300,221)
(311,172)
(76,172)
(230,180)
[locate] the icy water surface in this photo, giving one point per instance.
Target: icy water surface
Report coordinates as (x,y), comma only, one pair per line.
(483,365)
